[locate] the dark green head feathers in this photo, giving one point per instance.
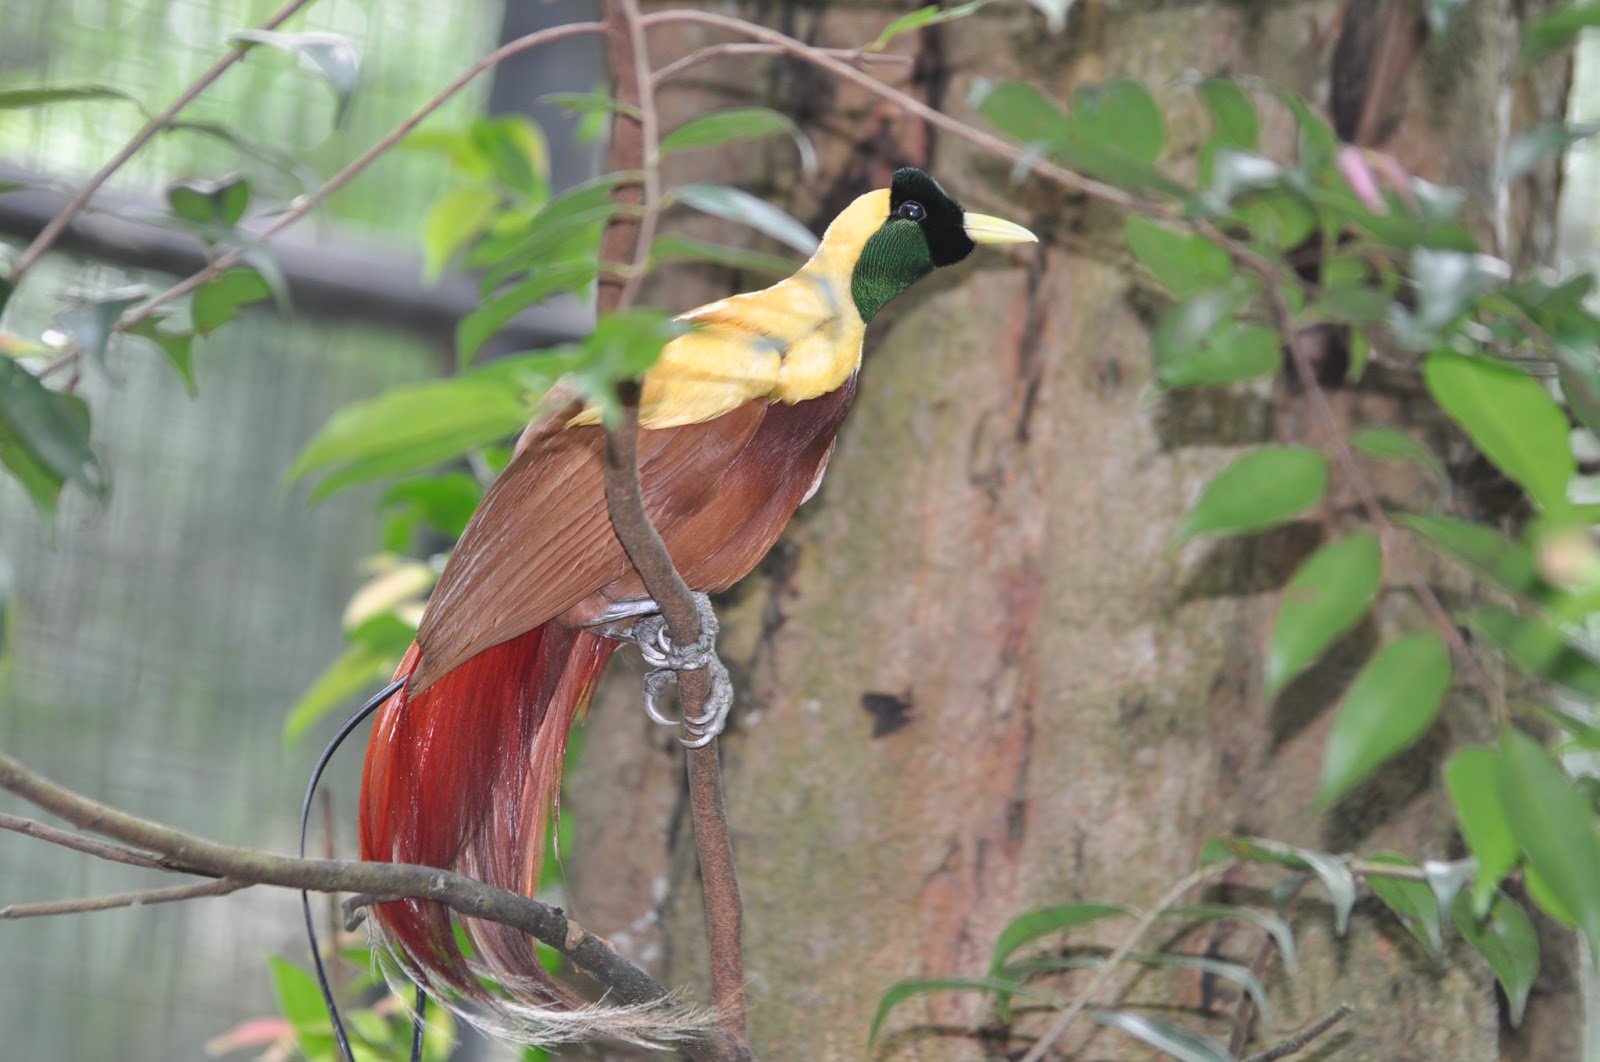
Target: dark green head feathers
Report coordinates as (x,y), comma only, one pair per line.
(925,230)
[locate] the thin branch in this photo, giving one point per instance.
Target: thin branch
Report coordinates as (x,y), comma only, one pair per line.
(1305,371)
(1108,970)
(113,853)
(137,898)
(306,203)
(1301,1040)
(1263,959)
(718,51)
(588,953)
(824,60)
(41,243)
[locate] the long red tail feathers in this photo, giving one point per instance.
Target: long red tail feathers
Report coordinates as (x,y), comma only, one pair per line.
(464,776)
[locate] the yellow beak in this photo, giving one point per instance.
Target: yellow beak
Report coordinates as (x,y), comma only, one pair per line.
(981,228)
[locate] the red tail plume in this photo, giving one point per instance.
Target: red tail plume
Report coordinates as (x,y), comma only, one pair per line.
(463,775)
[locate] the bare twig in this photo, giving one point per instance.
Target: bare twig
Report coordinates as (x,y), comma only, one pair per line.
(41,243)
(718,51)
(173,849)
(1109,969)
(842,70)
(114,853)
(1302,1039)
(635,146)
(1269,948)
(306,203)
(137,898)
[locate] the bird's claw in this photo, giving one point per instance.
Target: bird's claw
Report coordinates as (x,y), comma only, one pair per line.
(669,660)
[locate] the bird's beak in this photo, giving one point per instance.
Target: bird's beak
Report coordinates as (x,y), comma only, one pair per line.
(981,228)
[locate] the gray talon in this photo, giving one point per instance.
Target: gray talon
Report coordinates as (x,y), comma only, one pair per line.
(649,633)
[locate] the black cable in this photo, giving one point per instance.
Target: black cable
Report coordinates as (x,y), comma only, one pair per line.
(305,896)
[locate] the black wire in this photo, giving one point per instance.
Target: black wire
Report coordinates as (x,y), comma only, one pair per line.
(305,896)
(418,1024)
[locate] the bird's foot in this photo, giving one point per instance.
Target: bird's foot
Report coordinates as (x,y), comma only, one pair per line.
(668,660)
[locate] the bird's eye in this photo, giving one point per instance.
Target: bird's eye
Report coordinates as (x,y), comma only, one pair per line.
(911,210)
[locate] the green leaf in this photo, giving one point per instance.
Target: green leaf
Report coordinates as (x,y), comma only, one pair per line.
(1234,123)
(1184,263)
(1328,596)
(11,99)
(419,426)
(1278,220)
(1540,647)
(1511,418)
(1047,920)
(1483,549)
(444,502)
(515,151)
(733,204)
(356,669)
(1392,700)
(1412,902)
(1165,1036)
(1331,870)
(1392,444)
(1557,28)
(1554,824)
(1120,115)
(674,247)
(51,429)
(1182,334)
(1234,353)
(89,321)
(1229,971)
(454,219)
(931,15)
(1267,486)
(1532,146)
(1508,942)
(1471,778)
(739,123)
(622,347)
(218,299)
(178,347)
(220,202)
(1274,926)
(479,326)
(1234,173)
(328,54)
(900,992)
(300,1000)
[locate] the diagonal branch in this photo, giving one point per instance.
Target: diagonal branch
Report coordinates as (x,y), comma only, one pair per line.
(174,849)
(42,242)
(138,898)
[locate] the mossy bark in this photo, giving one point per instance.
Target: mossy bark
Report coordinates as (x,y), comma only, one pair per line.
(975,678)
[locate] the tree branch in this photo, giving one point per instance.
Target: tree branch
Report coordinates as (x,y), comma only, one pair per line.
(171,849)
(305,203)
(635,146)
(138,898)
(41,243)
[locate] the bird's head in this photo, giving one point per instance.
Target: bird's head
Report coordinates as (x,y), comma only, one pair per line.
(893,237)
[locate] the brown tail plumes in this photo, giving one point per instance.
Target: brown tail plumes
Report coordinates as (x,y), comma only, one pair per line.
(463,775)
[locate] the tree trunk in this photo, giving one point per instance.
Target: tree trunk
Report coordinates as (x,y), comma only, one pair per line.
(974,679)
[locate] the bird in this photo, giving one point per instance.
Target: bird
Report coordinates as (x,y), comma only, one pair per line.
(738,419)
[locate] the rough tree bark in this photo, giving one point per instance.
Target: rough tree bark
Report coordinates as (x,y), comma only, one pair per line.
(973,679)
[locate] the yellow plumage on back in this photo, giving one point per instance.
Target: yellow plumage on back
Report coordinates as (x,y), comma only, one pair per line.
(794,341)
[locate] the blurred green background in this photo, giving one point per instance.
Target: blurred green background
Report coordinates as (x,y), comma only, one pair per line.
(154,641)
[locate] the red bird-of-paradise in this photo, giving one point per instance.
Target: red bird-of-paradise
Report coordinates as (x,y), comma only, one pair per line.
(738,422)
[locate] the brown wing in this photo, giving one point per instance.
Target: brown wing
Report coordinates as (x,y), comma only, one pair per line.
(541,541)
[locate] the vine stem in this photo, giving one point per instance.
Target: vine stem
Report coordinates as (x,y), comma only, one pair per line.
(52,231)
